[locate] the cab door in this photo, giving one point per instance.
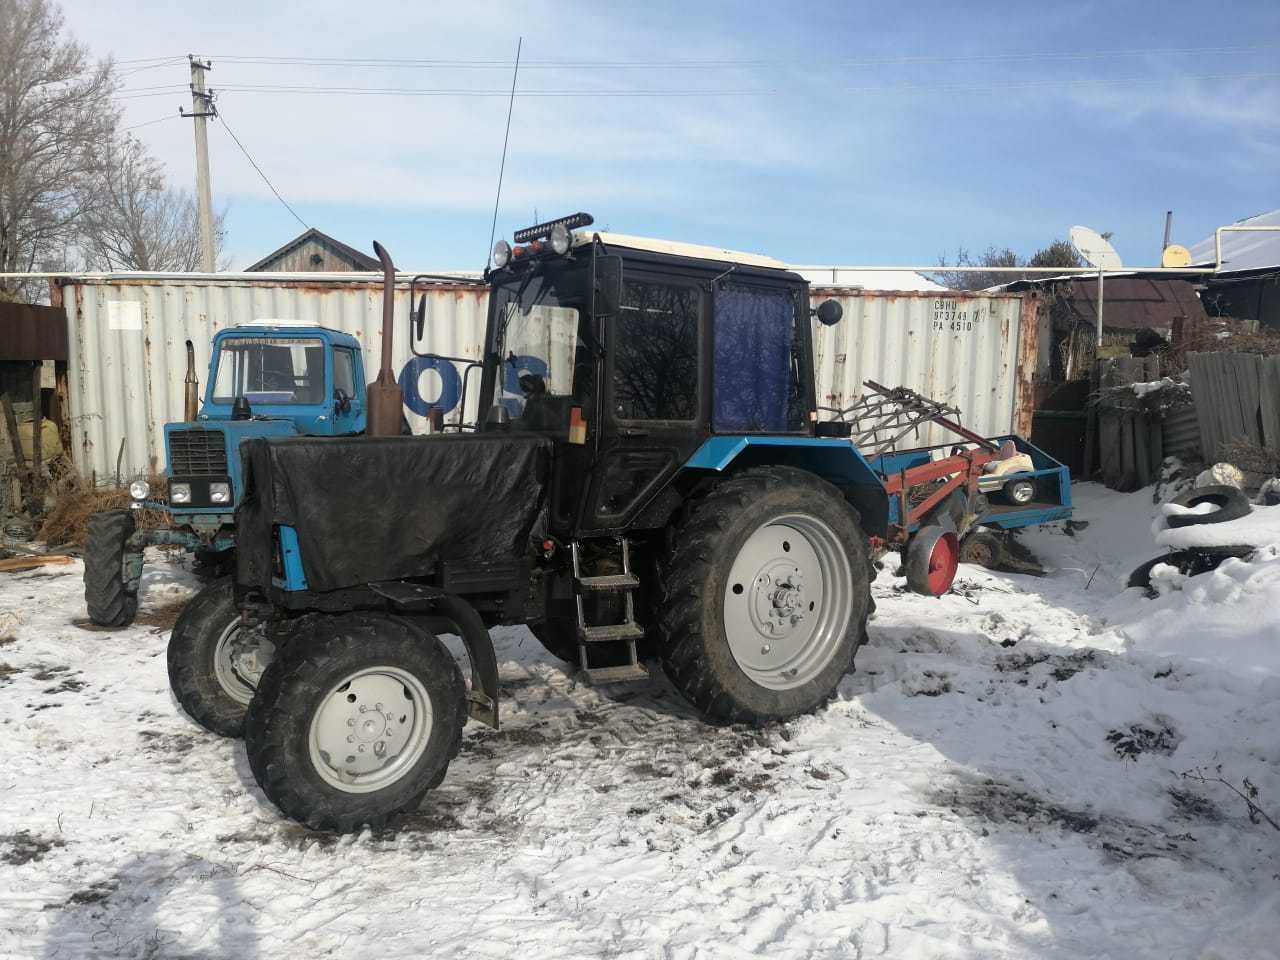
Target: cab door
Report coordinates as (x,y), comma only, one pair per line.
(654,409)
(347,395)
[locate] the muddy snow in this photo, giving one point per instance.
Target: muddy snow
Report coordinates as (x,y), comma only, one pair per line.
(1024,768)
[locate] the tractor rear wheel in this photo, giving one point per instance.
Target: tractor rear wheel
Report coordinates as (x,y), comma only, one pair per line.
(355,725)
(214,662)
(764,596)
(106,593)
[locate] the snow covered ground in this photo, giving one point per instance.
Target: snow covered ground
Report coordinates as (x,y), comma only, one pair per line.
(1002,777)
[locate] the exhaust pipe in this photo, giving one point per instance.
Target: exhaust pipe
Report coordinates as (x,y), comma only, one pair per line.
(384,401)
(191,396)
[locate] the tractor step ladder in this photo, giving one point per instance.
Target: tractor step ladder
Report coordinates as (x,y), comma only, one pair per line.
(627,631)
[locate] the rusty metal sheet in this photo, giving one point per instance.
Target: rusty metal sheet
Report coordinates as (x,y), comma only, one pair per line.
(30,332)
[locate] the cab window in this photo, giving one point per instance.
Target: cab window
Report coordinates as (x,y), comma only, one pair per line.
(655,352)
(344,378)
(270,370)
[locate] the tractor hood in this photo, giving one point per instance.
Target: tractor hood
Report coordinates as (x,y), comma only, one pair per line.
(368,509)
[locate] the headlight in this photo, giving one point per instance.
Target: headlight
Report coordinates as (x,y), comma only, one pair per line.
(561,239)
(139,489)
(179,493)
(220,492)
(501,254)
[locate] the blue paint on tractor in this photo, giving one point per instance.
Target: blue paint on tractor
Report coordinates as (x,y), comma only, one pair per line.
(295,578)
(829,457)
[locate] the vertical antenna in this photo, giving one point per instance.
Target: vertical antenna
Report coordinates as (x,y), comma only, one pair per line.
(493,229)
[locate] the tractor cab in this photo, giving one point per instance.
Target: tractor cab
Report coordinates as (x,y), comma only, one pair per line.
(267,378)
(630,354)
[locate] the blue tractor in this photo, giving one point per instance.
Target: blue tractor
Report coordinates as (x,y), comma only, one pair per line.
(275,378)
(649,478)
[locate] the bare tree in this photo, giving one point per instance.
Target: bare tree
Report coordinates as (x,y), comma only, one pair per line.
(1059,253)
(56,116)
(138,222)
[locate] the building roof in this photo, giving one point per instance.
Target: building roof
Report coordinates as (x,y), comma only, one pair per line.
(904,280)
(1244,252)
(1128,303)
(361,261)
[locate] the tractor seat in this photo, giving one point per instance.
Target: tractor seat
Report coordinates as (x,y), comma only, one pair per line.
(1019,463)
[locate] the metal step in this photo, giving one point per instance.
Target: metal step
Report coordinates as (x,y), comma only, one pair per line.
(611,632)
(616,581)
(623,674)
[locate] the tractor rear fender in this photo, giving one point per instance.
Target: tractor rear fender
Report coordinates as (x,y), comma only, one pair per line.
(834,459)
(443,612)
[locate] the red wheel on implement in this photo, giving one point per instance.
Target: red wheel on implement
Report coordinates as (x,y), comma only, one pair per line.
(932,558)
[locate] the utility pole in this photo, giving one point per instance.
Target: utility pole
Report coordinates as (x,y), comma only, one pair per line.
(201,109)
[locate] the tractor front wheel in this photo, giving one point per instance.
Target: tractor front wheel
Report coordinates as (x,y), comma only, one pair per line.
(355,724)
(111,600)
(764,596)
(214,662)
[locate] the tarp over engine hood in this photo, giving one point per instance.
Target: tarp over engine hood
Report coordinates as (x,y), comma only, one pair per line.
(388,508)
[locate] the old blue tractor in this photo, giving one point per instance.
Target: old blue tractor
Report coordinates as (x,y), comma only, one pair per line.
(647,476)
(272,378)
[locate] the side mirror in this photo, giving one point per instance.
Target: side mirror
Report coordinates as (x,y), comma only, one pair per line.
(829,313)
(418,317)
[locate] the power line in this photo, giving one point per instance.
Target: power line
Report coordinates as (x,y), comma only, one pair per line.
(222,116)
(570,92)
(147,123)
(481,64)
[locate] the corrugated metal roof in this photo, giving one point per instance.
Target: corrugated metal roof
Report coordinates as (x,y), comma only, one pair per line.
(1242,252)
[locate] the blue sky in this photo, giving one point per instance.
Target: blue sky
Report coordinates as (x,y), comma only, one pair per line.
(843,132)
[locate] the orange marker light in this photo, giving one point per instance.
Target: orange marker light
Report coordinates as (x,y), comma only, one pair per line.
(577,426)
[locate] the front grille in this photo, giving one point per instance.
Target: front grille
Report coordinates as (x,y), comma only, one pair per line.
(197,453)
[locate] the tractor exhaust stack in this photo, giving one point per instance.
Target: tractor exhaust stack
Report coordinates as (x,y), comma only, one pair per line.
(384,399)
(191,394)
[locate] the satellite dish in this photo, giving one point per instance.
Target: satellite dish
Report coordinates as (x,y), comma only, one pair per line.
(1096,250)
(1175,255)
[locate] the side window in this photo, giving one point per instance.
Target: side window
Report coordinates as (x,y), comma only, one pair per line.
(344,377)
(757,367)
(655,356)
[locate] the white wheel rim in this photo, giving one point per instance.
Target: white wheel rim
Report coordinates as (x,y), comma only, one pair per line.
(239,657)
(1023,491)
(787,601)
(370,729)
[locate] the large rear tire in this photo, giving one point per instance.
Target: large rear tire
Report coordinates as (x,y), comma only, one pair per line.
(215,663)
(106,594)
(764,596)
(353,726)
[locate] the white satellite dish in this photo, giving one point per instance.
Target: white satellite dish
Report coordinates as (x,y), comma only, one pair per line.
(1096,250)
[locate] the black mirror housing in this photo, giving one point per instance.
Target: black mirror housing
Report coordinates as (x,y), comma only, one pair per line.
(829,313)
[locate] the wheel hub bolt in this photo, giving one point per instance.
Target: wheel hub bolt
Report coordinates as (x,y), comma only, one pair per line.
(766,648)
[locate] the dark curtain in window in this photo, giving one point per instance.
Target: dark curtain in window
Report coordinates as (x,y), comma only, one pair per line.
(756,376)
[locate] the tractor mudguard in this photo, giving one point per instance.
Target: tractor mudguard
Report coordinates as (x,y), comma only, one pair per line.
(434,604)
(835,460)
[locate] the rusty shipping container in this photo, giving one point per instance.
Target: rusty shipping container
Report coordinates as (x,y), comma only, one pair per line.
(127,346)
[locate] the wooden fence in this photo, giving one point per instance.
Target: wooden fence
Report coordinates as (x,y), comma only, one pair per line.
(1237,397)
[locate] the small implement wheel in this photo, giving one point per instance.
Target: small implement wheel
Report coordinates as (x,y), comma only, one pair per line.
(764,596)
(982,547)
(932,559)
(214,663)
(1020,491)
(356,723)
(110,601)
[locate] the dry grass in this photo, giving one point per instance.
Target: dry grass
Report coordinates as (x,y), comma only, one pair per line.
(76,500)
(1219,336)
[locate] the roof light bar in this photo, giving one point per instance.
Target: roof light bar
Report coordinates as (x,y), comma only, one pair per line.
(543,230)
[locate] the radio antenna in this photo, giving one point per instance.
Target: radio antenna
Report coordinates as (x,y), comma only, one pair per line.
(502,167)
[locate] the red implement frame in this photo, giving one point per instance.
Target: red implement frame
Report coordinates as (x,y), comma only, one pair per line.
(961,469)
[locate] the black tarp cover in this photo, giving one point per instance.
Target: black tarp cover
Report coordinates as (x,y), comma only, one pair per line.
(387,508)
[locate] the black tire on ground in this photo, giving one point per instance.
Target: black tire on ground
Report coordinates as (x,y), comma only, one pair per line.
(292,698)
(690,608)
(211,693)
(1191,562)
(110,602)
(1231,504)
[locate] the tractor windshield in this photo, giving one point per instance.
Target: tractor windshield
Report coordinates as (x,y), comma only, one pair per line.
(270,370)
(543,360)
